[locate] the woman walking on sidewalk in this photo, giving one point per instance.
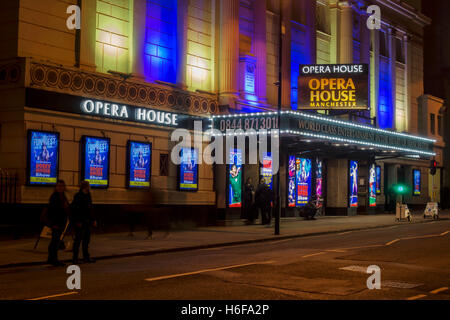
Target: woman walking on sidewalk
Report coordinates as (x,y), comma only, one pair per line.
(58,210)
(82,219)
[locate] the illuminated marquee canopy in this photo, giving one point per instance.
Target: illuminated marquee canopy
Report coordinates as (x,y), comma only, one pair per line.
(323,128)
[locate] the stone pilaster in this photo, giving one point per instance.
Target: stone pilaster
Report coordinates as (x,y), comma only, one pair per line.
(138,39)
(286,12)
(229,52)
(346,33)
(182,26)
(365,40)
(335,31)
(310,8)
(375,68)
(88,33)
(260,50)
(407,54)
(392,69)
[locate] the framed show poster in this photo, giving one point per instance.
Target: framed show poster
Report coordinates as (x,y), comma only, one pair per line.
(378,179)
(417,182)
(95,161)
(266,170)
(303,180)
(234,179)
(353,183)
(291,186)
(188,170)
(372,186)
(43,158)
(139,157)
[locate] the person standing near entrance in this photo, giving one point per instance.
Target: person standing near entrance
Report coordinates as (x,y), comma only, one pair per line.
(82,219)
(248,209)
(263,200)
(58,210)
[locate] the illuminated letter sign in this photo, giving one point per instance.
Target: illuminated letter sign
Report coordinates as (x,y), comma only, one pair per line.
(338,86)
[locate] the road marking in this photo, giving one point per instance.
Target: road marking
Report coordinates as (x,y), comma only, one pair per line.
(55,295)
(342,233)
(361,247)
(336,250)
(444,233)
(205,270)
(280,241)
(355,268)
(313,254)
(439,290)
(401,285)
(392,242)
(417,297)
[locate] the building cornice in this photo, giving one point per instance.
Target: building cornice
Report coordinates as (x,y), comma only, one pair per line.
(405,10)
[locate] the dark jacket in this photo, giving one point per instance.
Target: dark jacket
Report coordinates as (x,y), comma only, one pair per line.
(58,209)
(248,195)
(81,208)
(263,196)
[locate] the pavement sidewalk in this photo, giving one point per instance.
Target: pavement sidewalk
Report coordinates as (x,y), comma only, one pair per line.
(15,253)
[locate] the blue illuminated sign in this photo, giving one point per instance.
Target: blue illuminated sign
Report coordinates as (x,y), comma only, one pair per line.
(139,160)
(188,170)
(96,161)
(43,154)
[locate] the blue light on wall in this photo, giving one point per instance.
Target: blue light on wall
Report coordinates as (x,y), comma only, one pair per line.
(299,55)
(160,40)
(385,108)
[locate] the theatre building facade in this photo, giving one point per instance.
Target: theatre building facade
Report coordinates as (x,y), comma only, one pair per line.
(100,103)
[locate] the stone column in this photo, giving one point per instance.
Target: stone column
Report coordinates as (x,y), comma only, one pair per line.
(260,50)
(182,26)
(138,35)
(309,6)
(229,52)
(392,63)
(286,12)
(88,34)
(375,68)
(365,36)
(407,53)
(335,31)
(346,33)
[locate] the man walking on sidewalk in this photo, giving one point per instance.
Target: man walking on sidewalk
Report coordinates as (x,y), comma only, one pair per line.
(82,219)
(58,210)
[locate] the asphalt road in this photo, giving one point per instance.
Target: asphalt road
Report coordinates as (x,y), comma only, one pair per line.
(414,262)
